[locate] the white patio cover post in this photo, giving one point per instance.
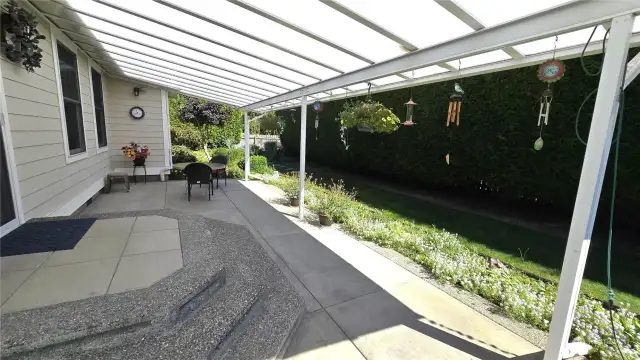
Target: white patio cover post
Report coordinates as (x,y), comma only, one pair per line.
(303,150)
(593,170)
(247,160)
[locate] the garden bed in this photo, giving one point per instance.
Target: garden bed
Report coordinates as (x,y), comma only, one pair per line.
(452,261)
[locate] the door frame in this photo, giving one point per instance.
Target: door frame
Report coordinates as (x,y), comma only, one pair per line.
(11,164)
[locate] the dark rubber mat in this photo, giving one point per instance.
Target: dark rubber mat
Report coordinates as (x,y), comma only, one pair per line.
(43,236)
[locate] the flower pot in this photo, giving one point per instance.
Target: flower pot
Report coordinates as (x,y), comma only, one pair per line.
(139,161)
(365,128)
(295,202)
(325,219)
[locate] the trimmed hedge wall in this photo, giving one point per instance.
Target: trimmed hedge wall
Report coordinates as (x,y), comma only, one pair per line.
(492,150)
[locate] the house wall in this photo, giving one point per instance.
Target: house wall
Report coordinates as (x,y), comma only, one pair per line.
(49,184)
(123,129)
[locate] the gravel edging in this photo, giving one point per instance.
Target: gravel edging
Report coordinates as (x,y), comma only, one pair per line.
(533,335)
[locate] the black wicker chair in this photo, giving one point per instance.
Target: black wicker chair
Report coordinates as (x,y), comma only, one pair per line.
(198,173)
(220,159)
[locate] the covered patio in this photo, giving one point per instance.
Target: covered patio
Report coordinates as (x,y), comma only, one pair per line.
(285,56)
(357,304)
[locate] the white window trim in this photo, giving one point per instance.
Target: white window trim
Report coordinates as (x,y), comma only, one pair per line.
(96,67)
(11,160)
(56,66)
(166,128)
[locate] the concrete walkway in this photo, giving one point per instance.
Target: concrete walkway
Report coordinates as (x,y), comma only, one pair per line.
(360,304)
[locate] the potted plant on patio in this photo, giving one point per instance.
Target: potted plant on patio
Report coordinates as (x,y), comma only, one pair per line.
(136,153)
(291,189)
(368,116)
(324,206)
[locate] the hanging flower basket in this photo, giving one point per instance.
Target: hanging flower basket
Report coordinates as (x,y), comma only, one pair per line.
(19,36)
(369,116)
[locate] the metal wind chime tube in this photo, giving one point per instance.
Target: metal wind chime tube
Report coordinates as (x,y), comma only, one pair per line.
(549,72)
(453,113)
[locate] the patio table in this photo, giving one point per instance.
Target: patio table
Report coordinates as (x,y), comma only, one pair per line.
(213,166)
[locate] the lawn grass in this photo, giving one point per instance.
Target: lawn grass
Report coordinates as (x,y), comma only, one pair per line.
(508,242)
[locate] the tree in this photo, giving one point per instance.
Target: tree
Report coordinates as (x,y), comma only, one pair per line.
(204,116)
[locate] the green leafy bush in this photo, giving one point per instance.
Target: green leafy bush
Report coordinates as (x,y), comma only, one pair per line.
(187,135)
(181,154)
(258,164)
(333,200)
(370,114)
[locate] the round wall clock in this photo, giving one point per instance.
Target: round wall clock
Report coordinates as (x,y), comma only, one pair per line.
(136,113)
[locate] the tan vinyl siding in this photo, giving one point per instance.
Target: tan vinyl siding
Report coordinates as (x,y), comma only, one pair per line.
(122,129)
(47,181)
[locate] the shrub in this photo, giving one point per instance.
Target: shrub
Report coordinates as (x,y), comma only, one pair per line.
(334,200)
(181,154)
(258,164)
(290,185)
(235,157)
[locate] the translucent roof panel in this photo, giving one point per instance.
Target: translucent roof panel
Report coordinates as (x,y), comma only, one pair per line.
(224,36)
(494,12)
(333,27)
(480,59)
(125,62)
(421,22)
(574,38)
(387,80)
(114,53)
(237,17)
(636,25)
(222,56)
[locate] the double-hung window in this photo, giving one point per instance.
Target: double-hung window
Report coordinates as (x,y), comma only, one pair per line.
(72,102)
(98,108)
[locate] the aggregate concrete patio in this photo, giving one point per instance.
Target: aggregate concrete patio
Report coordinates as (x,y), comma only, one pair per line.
(359,304)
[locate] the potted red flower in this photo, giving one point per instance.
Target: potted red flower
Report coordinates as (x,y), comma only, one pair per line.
(136,153)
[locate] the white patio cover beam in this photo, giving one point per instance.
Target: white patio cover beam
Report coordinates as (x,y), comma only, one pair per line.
(100,57)
(352,14)
(167,87)
(134,66)
(593,169)
(203,38)
(69,32)
(246,34)
(303,152)
(595,47)
(204,86)
(562,19)
(94,29)
(298,29)
(173,82)
(247,157)
(466,17)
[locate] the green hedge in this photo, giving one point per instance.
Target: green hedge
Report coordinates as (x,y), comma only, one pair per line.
(492,150)
(182,154)
(258,164)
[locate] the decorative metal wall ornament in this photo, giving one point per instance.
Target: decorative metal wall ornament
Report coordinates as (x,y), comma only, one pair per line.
(549,71)
(317,107)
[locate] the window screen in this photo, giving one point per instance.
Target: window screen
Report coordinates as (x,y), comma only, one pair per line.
(98,108)
(72,101)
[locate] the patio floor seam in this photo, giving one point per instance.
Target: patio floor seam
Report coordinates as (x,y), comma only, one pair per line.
(115,270)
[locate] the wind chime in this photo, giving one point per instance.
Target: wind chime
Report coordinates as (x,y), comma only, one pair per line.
(293,115)
(344,135)
(453,115)
(317,107)
(549,71)
(409,104)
